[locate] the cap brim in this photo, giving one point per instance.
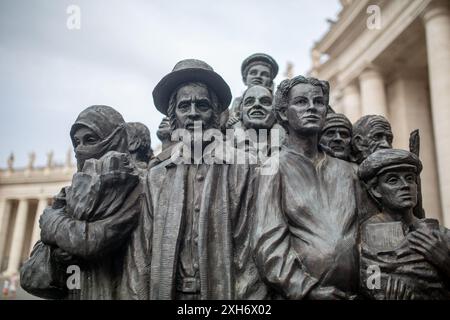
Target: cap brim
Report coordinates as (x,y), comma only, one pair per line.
(165,87)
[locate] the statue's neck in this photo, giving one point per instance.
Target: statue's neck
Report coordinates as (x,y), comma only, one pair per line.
(406,216)
(306,144)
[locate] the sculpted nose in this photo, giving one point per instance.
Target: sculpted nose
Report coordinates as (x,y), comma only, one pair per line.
(384,144)
(193,111)
(337,138)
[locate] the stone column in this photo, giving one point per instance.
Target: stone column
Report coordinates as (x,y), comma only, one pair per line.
(437,28)
(409,109)
(352,102)
(18,236)
(5,210)
(373,95)
(42,204)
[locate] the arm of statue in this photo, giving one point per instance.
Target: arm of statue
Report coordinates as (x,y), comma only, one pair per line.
(434,245)
(277,262)
(90,239)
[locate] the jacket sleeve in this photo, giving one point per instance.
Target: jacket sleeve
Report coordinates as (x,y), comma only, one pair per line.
(277,262)
(90,239)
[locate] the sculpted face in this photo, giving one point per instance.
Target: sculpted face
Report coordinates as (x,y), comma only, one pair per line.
(84,137)
(397,190)
(307,108)
(379,136)
(193,104)
(164,130)
(257,108)
(259,75)
(337,139)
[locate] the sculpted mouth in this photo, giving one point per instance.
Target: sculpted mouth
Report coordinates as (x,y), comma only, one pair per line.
(312,117)
(338,148)
(256,81)
(257,114)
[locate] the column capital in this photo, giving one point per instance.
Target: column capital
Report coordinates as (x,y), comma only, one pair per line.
(434,9)
(371,71)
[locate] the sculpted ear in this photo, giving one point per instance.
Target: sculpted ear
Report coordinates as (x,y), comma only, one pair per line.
(282,115)
(374,191)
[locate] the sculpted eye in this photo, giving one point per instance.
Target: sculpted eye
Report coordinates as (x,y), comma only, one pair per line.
(77,142)
(265,74)
(318,101)
(302,101)
(266,101)
(345,135)
(249,101)
(203,105)
(410,178)
(253,72)
(392,180)
(183,106)
(90,140)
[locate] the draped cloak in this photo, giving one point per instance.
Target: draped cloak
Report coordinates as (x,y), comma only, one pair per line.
(104,230)
(223,242)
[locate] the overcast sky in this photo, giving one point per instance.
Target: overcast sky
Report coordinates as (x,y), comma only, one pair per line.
(48,73)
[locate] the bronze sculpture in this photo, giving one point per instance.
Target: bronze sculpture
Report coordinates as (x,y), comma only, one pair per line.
(315,217)
(413,255)
(139,144)
(91,222)
(257,69)
(370,133)
(195,207)
(180,227)
(336,136)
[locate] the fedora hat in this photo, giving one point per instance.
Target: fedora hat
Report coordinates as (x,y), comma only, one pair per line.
(190,70)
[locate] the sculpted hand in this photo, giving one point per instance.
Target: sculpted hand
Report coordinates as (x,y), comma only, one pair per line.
(116,169)
(396,289)
(431,244)
(327,293)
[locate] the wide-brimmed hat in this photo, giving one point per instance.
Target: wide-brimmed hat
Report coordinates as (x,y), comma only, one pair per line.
(190,70)
(260,57)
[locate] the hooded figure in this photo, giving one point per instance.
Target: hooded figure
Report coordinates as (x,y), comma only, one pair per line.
(90,230)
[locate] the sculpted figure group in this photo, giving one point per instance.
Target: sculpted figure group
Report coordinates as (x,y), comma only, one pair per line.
(330,210)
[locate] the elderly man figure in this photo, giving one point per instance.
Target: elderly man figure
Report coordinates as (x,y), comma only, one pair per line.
(304,237)
(413,255)
(336,136)
(199,209)
(259,69)
(139,144)
(370,133)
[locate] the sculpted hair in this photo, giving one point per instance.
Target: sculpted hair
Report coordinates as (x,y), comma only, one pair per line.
(173,101)
(281,101)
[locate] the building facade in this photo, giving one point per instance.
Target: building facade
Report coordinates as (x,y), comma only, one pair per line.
(24,194)
(393,58)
